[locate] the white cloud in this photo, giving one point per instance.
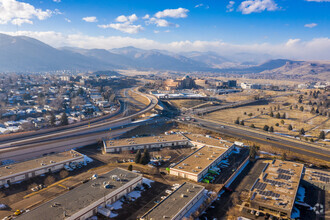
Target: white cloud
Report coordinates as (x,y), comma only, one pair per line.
(315,49)
(68,20)
(251,6)
(159,22)
(318,0)
(156,32)
(125,24)
(199,5)
(230,6)
(172,13)
(90,19)
(123,18)
(57,1)
(125,27)
(147,16)
(311,25)
(19,12)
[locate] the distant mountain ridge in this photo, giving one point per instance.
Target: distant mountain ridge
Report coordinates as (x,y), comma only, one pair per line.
(25,54)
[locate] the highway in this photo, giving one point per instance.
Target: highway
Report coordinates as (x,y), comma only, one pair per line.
(262,138)
(81,129)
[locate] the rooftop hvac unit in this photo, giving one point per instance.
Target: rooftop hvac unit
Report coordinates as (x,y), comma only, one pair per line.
(198,167)
(185,164)
(180,167)
(183,195)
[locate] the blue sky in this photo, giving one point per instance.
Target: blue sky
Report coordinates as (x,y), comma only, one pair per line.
(174,24)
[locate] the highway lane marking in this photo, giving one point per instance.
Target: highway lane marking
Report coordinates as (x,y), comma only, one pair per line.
(266,134)
(278,143)
(80,129)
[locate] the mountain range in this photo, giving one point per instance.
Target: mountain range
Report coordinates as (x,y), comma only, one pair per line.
(25,54)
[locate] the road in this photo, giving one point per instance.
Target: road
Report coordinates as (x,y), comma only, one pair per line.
(99,125)
(262,138)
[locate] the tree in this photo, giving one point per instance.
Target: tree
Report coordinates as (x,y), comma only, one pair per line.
(266,127)
(242,122)
(253,151)
(302,131)
(237,121)
(290,128)
(301,108)
(137,157)
(52,120)
(284,156)
(64,174)
(277,124)
(317,111)
(49,180)
(130,167)
(252,126)
(271,129)
(250,114)
(282,122)
(64,119)
(322,135)
(145,159)
(312,110)
(271,114)
(278,115)
(284,116)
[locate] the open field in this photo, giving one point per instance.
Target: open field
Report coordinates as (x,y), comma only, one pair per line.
(259,116)
(186,103)
(139,98)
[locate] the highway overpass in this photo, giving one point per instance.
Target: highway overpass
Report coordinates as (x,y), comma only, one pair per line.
(77,136)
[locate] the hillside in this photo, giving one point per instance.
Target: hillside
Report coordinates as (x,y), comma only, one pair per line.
(307,70)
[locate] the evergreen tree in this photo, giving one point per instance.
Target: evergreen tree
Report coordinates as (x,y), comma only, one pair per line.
(284,116)
(317,111)
(145,159)
(130,167)
(271,114)
(301,108)
(266,127)
(52,120)
(322,135)
(242,122)
(64,119)
(252,126)
(137,157)
(271,129)
(237,121)
(278,115)
(290,128)
(277,124)
(302,131)
(282,122)
(253,151)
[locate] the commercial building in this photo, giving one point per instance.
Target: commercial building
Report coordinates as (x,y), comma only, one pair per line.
(196,165)
(250,86)
(274,192)
(177,204)
(89,198)
(131,144)
(319,178)
(185,83)
(22,171)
